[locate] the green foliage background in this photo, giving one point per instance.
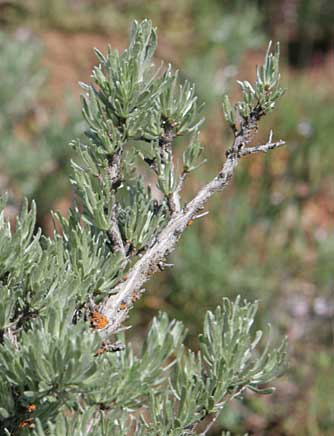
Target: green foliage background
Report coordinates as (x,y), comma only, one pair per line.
(271,237)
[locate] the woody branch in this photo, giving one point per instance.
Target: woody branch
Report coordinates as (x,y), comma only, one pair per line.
(116,306)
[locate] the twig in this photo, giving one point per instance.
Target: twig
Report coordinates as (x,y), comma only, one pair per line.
(261,148)
(201,215)
(166,153)
(214,416)
(114,232)
(114,171)
(93,421)
(213,419)
(176,197)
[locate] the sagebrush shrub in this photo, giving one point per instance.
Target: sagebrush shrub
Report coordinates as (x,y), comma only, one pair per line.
(64,365)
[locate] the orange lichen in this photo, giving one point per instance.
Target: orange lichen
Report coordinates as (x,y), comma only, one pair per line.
(31,408)
(98,320)
(123,306)
(27,423)
(190,223)
(101,351)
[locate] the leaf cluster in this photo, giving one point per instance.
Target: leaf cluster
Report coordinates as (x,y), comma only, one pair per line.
(171,389)
(258,99)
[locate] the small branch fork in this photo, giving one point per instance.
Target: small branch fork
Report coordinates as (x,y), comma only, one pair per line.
(116,306)
(262,148)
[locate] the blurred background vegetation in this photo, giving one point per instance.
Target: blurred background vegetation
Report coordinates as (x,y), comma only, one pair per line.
(270,237)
